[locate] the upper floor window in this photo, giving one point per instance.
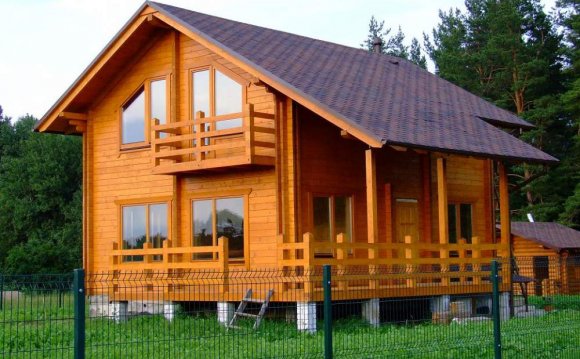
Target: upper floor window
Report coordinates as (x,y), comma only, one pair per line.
(216,94)
(144,223)
(149,102)
(460,221)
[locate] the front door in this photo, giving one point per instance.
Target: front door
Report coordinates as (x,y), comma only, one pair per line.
(406,220)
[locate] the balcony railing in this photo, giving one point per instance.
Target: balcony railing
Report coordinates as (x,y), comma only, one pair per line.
(236,139)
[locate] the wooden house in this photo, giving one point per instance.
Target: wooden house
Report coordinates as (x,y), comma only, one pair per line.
(550,254)
(215,145)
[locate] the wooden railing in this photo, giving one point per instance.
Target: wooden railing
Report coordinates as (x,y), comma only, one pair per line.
(168,257)
(409,265)
(243,138)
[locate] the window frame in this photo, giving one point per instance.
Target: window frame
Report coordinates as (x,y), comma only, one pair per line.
(457,205)
(245,195)
(147,202)
(146,86)
(212,67)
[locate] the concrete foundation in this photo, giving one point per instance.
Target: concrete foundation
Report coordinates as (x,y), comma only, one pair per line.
(225,312)
(306,316)
(118,311)
(371,311)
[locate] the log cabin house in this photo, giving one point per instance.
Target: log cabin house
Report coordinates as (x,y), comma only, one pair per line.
(549,253)
(211,144)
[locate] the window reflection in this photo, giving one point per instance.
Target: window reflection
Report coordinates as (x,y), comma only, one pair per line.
(134,230)
(228,99)
(230,224)
(202,226)
(133,121)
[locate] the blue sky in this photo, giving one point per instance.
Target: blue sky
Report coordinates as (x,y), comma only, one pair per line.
(46,44)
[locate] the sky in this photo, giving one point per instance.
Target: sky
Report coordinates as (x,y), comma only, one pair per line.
(46,44)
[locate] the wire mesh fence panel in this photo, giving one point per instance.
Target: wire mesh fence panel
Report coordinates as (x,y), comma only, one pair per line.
(36,316)
(379,311)
(197,314)
(545,309)
(397,324)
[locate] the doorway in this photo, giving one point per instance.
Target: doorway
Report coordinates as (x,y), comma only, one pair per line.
(406,220)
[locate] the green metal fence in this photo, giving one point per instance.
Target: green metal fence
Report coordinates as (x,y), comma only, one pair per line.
(106,315)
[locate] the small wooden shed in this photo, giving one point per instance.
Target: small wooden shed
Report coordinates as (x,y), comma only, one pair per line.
(550,254)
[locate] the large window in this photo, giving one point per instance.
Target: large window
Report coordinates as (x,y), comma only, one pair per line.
(460,222)
(219,217)
(144,223)
(147,103)
(332,215)
(216,94)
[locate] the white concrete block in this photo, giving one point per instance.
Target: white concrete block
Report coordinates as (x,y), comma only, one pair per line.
(371,311)
(306,316)
(170,310)
(504,306)
(118,311)
(440,303)
(225,312)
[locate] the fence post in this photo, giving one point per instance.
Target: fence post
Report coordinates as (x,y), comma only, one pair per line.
(327,312)
(1,290)
(496,309)
(79,313)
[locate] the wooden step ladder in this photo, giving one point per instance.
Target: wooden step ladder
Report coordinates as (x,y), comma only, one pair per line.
(240,312)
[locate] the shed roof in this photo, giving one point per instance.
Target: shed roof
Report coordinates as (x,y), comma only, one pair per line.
(549,234)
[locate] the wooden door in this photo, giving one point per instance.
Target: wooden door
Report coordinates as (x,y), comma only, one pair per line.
(541,272)
(406,220)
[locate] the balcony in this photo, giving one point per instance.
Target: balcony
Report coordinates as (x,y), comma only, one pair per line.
(240,139)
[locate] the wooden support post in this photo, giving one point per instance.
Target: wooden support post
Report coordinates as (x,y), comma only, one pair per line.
(198,129)
(462,255)
(410,255)
(308,240)
(504,211)
(442,215)
(372,224)
(224,258)
(341,241)
(147,257)
(476,255)
(249,133)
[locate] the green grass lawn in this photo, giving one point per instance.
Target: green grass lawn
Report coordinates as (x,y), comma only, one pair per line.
(38,327)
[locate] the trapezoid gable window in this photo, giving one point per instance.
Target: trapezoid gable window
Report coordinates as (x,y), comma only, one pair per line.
(147,103)
(215,94)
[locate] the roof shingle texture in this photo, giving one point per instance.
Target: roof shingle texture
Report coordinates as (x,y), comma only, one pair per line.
(552,235)
(392,99)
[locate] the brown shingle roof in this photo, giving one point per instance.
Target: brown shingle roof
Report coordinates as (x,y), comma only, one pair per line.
(551,235)
(392,99)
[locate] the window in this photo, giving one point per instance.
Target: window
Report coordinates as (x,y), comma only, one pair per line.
(220,217)
(460,222)
(149,102)
(146,223)
(332,215)
(216,94)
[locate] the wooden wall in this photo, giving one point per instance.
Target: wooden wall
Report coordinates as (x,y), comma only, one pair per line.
(116,175)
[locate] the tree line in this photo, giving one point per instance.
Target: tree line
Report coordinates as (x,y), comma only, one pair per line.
(514,54)
(40,199)
(510,52)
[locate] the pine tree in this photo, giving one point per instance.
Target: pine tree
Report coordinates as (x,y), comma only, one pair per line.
(415,54)
(509,53)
